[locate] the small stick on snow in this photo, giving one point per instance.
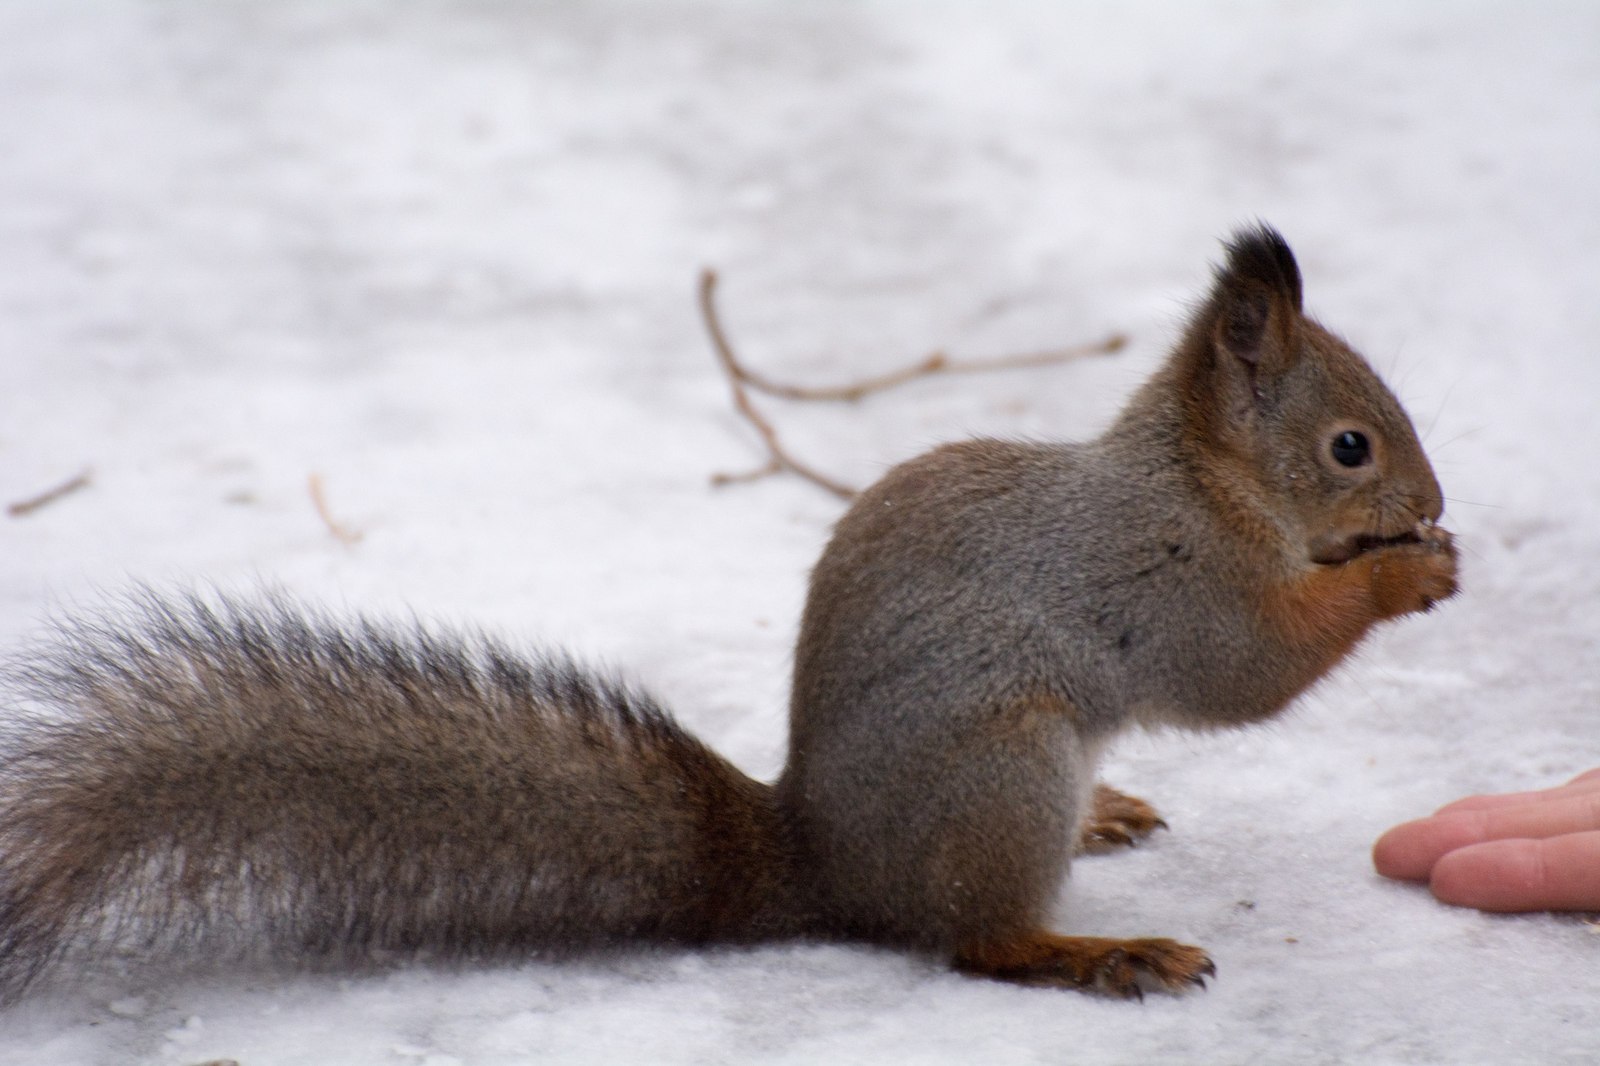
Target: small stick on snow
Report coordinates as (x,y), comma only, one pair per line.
(742,378)
(780,459)
(341,533)
(937,363)
(49,496)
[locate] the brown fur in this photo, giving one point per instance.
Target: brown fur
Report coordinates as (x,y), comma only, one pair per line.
(248,779)
(1117,967)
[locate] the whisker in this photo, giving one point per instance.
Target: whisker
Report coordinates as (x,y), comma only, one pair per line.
(1454,499)
(1474,503)
(1439,411)
(1464,434)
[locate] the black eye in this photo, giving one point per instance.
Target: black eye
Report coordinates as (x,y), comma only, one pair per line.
(1350,448)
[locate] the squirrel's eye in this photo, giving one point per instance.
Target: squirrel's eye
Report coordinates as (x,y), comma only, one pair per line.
(1350,448)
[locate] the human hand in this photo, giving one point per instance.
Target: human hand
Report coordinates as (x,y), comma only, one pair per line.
(1524,851)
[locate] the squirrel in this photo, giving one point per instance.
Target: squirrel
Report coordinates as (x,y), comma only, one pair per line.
(242,777)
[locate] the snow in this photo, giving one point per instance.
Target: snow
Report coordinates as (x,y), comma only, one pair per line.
(443,257)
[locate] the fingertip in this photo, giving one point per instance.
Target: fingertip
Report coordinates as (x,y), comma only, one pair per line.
(1409,851)
(1403,854)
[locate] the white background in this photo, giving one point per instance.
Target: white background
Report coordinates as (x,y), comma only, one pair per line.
(443,256)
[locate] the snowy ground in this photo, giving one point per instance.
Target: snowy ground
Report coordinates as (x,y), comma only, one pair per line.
(442,256)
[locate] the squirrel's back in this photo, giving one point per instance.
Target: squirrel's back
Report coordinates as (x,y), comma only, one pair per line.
(247,779)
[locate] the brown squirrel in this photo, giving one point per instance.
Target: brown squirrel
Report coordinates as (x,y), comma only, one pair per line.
(238,778)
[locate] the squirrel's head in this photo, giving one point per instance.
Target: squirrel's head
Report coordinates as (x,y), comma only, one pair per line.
(1289,406)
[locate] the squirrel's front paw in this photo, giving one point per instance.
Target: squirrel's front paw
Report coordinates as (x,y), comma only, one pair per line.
(1415,575)
(1116,820)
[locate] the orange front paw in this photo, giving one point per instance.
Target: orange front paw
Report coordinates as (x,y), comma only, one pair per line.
(1413,576)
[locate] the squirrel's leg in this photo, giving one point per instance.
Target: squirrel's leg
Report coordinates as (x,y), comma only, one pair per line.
(1116,820)
(1013,820)
(1117,967)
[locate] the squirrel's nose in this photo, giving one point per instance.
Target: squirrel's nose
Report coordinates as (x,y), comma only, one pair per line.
(1430,502)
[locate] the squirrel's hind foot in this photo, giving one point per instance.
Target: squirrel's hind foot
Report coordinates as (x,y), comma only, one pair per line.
(1123,968)
(1116,820)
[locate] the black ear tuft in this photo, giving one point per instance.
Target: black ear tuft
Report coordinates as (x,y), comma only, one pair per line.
(1260,256)
(1243,323)
(1248,332)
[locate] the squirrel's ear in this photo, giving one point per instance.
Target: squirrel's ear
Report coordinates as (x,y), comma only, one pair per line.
(1256,300)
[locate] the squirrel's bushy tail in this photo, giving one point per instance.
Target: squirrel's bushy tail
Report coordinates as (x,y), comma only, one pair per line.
(254,779)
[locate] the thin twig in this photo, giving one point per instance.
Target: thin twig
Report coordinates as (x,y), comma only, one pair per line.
(341,532)
(937,363)
(780,459)
(49,496)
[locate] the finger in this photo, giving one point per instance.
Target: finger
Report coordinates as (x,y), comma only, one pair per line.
(1560,874)
(1409,851)
(1572,812)
(1584,784)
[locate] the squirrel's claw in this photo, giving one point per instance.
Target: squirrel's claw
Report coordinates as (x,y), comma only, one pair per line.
(1116,820)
